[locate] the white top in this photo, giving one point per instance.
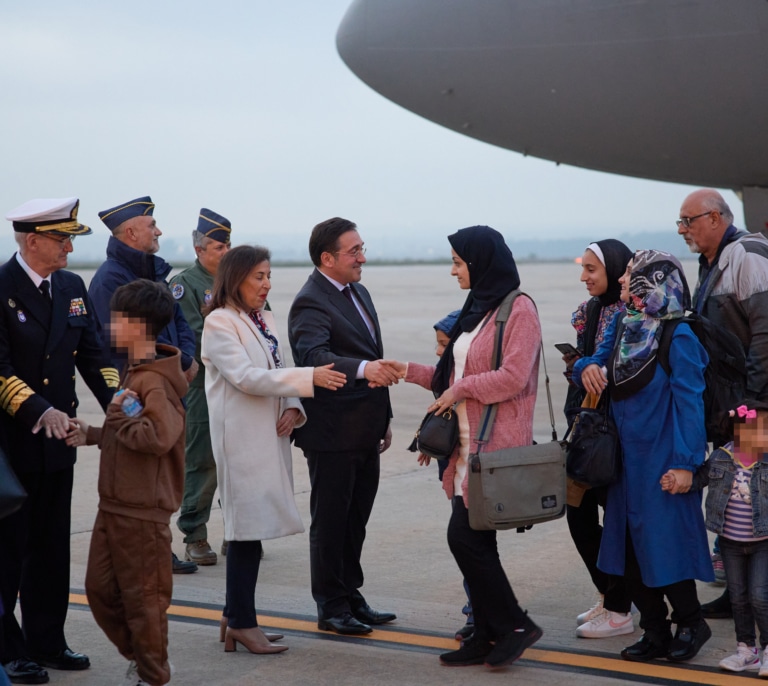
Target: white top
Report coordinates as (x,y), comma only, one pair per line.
(460,352)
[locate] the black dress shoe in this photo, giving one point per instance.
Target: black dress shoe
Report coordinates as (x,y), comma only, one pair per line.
(465,632)
(719,608)
(647,649)
(511,646)
(67,659)
(688,641)
(367,615)
(473,651)
(182,567)
(345,624)
(23,671)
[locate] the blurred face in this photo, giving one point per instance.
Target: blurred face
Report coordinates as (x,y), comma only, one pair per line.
(752,436)
(442,342)
(460,270)
(144,234)
(129,336)
(593,274)
(345,264)
(624,281)
(211,253)
(47,253)
(255,289)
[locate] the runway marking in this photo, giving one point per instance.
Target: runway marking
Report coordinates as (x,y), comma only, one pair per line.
(653,672)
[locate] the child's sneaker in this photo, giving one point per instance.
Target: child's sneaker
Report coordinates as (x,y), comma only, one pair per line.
(764,667)
(606,624)
(744,658)
(593,611)
(719,568)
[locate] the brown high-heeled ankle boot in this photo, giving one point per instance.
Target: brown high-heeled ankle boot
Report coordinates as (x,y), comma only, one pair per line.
(223,631)
(253,639)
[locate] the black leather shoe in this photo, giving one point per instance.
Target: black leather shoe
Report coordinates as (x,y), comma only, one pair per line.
(473,651)
(345,624)
(180,567)
(465,632)
(688,641)
(646,649)
(511,646)
(23,671)
(367,615)
(719,608)
(67,659)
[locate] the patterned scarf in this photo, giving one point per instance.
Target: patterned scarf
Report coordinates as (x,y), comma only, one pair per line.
(271,339)
(658,292)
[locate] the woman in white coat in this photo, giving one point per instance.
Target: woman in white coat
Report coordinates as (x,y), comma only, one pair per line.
(253,406)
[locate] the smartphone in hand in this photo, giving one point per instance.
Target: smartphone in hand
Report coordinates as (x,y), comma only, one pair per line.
(567,349)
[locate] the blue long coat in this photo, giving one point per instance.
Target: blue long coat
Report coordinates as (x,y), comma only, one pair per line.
(661,427)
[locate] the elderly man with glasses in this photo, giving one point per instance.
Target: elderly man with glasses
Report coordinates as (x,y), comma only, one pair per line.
(47,330)
(732,291)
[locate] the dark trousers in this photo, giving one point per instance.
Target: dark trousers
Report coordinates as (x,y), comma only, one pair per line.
(243,560)
(587,534)
(128,582)
(686,610)
(344,488)
(35,566)
(494,605)
(746,568)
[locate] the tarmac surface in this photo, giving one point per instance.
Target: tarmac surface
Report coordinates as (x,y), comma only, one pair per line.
(409,569)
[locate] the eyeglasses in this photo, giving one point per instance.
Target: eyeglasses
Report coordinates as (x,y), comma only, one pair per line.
(686,221)
(59,239)
(353,253)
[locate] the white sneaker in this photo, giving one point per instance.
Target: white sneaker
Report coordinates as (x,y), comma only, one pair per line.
(606,624)
(593,611)
(744,658)
(764,667)
(131,675)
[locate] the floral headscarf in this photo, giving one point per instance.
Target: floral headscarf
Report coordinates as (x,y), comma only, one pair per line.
(658,292)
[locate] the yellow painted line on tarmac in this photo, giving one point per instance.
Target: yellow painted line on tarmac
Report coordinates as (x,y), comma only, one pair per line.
(564,659)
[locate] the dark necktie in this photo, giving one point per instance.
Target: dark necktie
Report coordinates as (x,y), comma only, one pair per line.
(45,290)
(347,291)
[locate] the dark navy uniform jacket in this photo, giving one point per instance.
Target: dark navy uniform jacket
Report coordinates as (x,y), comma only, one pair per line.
(123,265)
(40,346)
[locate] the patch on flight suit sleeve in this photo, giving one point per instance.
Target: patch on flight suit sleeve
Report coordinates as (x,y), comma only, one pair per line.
(177,290)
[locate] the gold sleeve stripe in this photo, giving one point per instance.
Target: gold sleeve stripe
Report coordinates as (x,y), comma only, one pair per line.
(111,377)
(13,392)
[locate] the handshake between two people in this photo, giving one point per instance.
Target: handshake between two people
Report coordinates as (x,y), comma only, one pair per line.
(384,372)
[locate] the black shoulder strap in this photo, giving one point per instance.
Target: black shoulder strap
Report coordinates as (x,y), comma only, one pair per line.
(662,354)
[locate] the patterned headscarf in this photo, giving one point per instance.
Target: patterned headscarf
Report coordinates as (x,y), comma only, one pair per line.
(658,292)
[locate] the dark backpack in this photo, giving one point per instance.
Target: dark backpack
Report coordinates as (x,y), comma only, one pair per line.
(725,376)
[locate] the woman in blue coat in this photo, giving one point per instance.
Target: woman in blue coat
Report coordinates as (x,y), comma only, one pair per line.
(655,539)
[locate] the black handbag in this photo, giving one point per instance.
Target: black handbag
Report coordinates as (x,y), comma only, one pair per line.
(593,455)
(438,435)
(12,493)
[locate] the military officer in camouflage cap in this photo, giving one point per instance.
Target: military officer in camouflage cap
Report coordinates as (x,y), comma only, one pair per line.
(192,289)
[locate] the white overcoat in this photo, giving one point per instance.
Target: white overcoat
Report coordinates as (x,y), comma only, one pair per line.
(247,394)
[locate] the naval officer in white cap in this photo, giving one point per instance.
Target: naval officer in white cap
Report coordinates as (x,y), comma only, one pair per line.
(47,329)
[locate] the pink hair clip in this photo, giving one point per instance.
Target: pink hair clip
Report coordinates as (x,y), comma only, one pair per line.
(744,412)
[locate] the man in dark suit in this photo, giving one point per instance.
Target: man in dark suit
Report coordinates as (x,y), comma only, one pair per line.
(47,329)
(332,320)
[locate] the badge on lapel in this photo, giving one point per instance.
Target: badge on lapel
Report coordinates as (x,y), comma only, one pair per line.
(11,302)
(77,307)
(207,296)
(22,317)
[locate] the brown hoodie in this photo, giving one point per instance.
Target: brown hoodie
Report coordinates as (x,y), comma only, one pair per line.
(141,472)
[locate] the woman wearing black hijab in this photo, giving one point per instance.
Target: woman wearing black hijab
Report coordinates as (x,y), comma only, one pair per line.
(465,376)
(603,264)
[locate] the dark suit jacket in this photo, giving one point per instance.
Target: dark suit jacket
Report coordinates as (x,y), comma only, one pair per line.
(324,327)
(38,356)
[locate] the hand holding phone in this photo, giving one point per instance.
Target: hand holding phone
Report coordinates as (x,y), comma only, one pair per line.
(567,349)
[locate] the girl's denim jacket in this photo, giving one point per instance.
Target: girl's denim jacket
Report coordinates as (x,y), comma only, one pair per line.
(718,473)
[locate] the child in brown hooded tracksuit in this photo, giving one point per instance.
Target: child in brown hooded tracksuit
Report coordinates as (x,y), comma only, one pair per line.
(141,478)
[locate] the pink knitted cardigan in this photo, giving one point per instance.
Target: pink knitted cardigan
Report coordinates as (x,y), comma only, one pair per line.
(513,385)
